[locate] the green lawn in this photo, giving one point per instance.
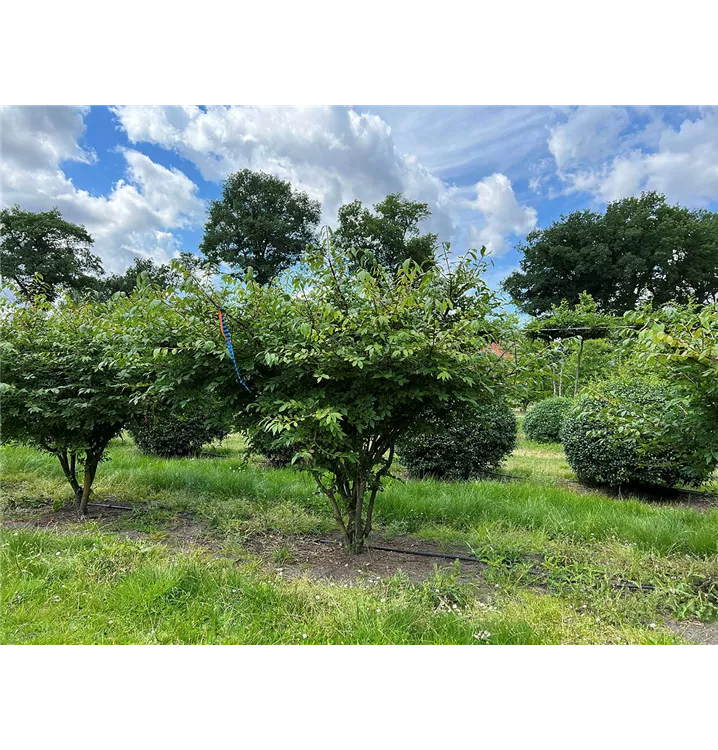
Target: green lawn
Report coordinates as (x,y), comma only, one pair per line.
(562,564)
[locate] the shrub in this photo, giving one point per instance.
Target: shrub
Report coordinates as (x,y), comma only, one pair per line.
(177,434)
(455,445)
(634,432)
(276,451)
(543,421)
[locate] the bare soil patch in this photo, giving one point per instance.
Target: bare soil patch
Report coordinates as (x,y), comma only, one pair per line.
(310,557)
(704,633)
(290,556)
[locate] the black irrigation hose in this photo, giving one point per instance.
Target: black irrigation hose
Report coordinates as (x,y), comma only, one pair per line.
(412,552)
(620,584)
(111,505)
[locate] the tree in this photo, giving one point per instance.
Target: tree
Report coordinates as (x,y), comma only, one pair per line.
(75,372)
(639,249)
(43,254)
(261,222)
(160,275)
(340,363)
(583,323)
(391,233)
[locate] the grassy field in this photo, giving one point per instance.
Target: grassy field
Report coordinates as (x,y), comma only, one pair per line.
(206,552)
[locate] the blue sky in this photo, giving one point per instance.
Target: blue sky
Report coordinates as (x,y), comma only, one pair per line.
(139,178)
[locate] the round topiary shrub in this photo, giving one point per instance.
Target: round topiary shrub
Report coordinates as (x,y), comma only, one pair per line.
(544,420)
(177,434)
(633,432)
(274,450)
(460,444)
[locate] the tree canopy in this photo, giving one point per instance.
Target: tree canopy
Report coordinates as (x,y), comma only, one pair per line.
(157,274)
(341,362)
(43,254)
(391,232)
(585,322)
(260,221)
(639,249)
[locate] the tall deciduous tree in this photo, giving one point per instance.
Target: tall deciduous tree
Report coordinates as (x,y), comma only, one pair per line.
(391,232)
(42,253)
(640,249)
(260,221)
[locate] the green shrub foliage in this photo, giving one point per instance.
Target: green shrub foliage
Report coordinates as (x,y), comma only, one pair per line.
(544,420)
(634,432)
(459,445)
(177,433)
(273,448)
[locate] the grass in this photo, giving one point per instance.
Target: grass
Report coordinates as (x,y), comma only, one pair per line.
(96,588)
(562,565)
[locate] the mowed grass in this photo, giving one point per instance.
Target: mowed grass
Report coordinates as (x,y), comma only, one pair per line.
(562,566)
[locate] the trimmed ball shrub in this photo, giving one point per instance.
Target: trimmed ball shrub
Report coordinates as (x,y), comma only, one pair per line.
(636,432)
(544,420)
(460,445)
(175,433)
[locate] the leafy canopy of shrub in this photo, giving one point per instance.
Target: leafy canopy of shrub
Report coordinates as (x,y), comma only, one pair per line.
(635,431)
(544,420)
(460,444)
(680,343)
(342,361)
(73,374)
(179,432)
(271,447)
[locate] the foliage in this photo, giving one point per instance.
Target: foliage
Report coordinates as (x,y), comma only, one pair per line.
(460,444)
(683,342)
(341,363)
(544,420)
(145,269)
(391,233)
(75,372)
(584,323)
(635,431)
(43,254)
(640,248)
(272,447)
(260,221)
(179,432)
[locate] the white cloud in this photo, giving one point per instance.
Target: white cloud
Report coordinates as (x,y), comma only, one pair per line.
(503,214)
(133,219)
(682,162)
(587,136)
(333,153)
(42,137)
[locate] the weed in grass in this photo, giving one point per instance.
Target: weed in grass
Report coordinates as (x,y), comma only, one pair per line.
(283,555)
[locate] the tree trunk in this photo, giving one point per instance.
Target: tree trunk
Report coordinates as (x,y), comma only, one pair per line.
(68,469)
(578,368)
(90,469)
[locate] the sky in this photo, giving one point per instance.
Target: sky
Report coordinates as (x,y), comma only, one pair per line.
(139,178)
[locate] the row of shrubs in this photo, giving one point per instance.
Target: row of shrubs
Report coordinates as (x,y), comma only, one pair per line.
(619,433)
(625,432)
